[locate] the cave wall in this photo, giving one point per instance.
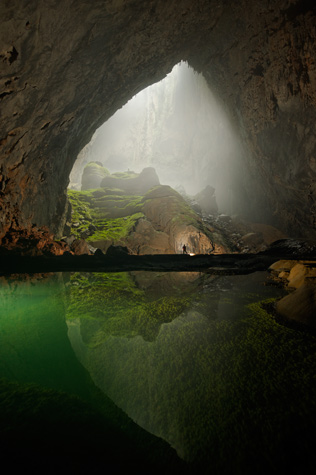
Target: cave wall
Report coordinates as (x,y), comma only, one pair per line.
(67,66)
(264,69)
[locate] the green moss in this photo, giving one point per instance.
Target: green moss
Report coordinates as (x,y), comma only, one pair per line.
(119,308)
(114,229)
(113,216)
(114,213)
(125,175)
(91,167)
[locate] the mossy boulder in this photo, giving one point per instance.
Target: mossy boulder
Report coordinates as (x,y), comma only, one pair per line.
(131,183)
(93,174)
(159,221)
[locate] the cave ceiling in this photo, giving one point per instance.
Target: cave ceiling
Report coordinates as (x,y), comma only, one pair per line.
(67,66)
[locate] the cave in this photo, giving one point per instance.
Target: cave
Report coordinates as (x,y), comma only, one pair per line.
(177,127)
(65,71)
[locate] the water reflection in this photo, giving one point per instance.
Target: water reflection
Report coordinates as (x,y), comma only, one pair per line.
(192,358)
(218,378)
(33,335)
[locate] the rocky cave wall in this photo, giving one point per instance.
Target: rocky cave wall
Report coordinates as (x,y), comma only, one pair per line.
(67,66)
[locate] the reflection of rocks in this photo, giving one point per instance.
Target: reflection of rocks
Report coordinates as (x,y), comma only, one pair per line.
(135,373)
(48,401)
(157,284)
(176,386)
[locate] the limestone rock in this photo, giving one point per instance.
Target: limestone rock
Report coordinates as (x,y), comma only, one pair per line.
(131,183)
(145,239)
(93,174)
(300,305)
(206,200)
(79,247)
(33,242)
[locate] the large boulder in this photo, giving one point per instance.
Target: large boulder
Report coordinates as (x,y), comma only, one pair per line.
(300,278)
(300,305)
(93,174)
(145,239)
(131,183)
(206,200)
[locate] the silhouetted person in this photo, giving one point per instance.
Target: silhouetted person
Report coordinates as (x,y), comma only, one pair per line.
(184,249)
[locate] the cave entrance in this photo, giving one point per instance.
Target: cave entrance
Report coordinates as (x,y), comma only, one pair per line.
(173,141)
(176,126)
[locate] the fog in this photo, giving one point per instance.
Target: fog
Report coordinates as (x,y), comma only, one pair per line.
(176,126)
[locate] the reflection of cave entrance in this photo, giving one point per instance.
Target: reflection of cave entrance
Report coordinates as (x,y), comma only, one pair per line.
(175,126)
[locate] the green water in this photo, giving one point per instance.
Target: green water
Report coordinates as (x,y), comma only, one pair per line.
(192,359)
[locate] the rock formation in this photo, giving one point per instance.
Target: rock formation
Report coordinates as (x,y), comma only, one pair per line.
(157,221)
(92,175)
(131,183)
(67,68)
(206,200)
(299,277)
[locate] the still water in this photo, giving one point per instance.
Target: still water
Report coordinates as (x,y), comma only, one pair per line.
(194,359)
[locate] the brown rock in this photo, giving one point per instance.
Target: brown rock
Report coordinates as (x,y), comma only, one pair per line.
(206,200)
(145,239)
(33,242)
(300,273)
(300,305)
(79,247)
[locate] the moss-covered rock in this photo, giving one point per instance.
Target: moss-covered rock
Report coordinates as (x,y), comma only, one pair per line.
(159,221)
(132,183)
(93,174)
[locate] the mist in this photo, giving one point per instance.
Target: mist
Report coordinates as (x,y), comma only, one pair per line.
(176,126)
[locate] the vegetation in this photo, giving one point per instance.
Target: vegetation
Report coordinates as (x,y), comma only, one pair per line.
(95,166)
(111,214)
(108,215)
(127,174)
(228,389)
(119,307)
